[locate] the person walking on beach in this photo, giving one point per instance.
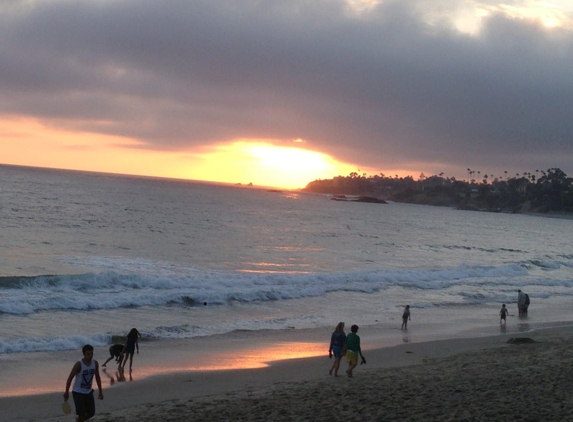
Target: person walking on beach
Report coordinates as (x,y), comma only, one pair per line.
(115,351)
(130,346)
(405,318)
(337,341)
(84,372)
(353,350)
(503,314)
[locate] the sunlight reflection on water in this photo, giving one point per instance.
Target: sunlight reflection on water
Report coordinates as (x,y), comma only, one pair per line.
(259,357)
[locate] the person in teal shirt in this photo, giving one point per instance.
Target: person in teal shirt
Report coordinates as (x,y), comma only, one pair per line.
(353,350)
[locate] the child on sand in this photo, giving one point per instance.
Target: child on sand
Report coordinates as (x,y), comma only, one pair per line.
(503,313)
(405,318)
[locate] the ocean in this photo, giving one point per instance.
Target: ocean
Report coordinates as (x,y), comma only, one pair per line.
(86,256)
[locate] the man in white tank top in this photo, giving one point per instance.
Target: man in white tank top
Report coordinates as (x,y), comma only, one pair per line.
(84,371)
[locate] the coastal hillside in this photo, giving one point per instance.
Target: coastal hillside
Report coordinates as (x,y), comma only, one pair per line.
(548,191)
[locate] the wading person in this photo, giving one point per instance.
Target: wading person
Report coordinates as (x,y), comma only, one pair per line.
(503,314)
(521,303)
(405,318)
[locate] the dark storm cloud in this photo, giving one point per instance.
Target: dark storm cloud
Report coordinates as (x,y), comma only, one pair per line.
(376,89)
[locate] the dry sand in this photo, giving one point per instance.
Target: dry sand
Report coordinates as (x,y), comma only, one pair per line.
(483,379)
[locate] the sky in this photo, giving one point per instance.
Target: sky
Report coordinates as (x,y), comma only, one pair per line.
(283,92)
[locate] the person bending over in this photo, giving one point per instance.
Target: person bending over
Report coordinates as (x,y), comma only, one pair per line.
(115,351)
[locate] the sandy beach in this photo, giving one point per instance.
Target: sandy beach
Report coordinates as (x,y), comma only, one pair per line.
(479,379)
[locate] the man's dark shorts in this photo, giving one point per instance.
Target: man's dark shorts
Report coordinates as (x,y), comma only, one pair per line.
(85,404)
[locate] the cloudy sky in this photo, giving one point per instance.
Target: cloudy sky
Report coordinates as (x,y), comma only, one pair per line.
(281,92)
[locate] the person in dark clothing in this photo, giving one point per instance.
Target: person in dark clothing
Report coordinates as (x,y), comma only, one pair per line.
(503,314)
(131,345)
(115,351)
(405,317)
(337,341)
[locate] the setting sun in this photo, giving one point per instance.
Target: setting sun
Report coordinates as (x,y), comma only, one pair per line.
(244,161)
(264,164)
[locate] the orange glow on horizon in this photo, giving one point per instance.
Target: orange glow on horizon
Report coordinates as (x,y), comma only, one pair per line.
(27,142)
(264,164)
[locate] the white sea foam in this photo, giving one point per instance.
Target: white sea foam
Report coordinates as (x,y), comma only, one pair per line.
(40,344)
(111,290)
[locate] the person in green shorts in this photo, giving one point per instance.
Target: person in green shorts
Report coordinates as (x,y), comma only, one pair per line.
(353,350)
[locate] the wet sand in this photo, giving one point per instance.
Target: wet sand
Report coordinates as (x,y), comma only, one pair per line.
(481,379)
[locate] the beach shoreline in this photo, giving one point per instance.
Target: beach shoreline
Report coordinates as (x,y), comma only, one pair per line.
(46,371)
(173,396)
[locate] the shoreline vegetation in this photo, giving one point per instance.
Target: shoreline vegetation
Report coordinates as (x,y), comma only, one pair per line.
(541,192)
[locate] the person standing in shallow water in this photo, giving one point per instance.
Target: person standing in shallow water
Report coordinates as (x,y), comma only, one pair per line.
(337,341)
(84,372)
(503,314)
(405,318)
(130,346)
(353,350)
(520,302)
